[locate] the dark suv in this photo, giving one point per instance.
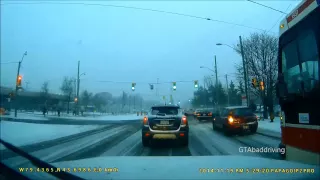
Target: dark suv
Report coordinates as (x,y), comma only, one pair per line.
(236,119)
(165,122)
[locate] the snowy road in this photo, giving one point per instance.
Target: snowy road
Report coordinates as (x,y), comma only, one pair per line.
(124,139)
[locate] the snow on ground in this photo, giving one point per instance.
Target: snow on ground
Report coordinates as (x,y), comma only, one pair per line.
(271,126)
(106,117)
(38,116)
(25,116)
(19,133)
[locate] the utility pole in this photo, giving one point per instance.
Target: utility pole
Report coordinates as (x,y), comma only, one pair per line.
(205,95)
(77,105)
(157,87)
(134,103)
(228,89)
(16,95)
(244,71)
(216,71)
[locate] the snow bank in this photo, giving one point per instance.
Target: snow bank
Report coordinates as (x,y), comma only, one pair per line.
(19,133)
(106,117)
(37,116)
(271,126)
(24,116)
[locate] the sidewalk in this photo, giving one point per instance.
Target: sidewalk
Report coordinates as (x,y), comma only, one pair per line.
(271,129)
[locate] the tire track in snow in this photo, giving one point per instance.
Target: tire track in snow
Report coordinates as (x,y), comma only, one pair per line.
(5,154)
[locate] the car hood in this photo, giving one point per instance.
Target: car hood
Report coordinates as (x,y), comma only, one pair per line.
(190,167)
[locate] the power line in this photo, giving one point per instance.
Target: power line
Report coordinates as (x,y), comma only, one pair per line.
(8,62)
(143,9)
(281,17)
(267,7)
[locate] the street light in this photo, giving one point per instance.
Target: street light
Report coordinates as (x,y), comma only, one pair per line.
(244,67)
(207,68)
(220,44)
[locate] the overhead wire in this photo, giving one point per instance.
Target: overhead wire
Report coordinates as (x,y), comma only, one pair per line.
(267,6)
(138,8)
(281,17)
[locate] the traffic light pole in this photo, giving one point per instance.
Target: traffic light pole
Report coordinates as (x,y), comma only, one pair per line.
(228,90)
(216,72)
(77,108)
(244,71)
(16,94)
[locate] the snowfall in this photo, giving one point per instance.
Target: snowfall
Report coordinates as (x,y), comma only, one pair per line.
(20,133)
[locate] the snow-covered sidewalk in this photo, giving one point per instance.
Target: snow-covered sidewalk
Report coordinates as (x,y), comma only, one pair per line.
(270,128)
(20,134)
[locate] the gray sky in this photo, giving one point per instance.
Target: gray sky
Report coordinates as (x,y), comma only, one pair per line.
(127,45)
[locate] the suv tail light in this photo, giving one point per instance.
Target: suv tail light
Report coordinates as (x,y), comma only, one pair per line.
(230,119)
(184,121)
(145,121)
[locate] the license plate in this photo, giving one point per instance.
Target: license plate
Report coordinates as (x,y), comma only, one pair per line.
(245,127)
(164,122)
(164,136)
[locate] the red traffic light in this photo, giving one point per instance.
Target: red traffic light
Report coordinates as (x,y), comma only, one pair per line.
(19,79)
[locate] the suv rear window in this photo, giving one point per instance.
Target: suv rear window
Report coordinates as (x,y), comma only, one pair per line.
(243,111)
(165,110)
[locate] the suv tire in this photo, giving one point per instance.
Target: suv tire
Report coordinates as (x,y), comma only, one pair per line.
(145,142)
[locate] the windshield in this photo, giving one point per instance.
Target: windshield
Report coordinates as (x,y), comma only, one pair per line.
(165,110)
(300,56)
(108,84)
(243,112)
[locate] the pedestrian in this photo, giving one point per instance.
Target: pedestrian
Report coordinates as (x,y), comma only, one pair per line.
(44,110)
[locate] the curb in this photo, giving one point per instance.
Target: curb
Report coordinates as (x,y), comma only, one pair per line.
(269,133)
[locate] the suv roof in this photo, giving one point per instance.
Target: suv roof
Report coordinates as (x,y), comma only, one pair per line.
(173,106)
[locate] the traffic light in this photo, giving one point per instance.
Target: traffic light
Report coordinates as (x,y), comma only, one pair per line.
(196,83)
(133,86)
(151,86)
(19,79)
(174,84)
(254,82)
(261,85)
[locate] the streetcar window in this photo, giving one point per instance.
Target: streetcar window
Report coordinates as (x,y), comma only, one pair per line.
(290,67)
(309,57)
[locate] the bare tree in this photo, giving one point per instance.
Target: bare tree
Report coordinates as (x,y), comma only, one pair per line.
(86,98)
(67,89)
(260,52)
(45,91)
(208,81)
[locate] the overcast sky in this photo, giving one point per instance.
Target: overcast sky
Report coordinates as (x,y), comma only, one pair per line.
(127,45)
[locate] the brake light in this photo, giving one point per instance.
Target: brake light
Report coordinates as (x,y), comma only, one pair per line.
(184,120)
(145,120)
(230,119)
(210,114)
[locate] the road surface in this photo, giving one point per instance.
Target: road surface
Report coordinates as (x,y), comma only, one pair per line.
(124,139)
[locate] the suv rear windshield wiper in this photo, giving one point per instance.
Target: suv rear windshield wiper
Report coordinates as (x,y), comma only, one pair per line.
(7,171)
